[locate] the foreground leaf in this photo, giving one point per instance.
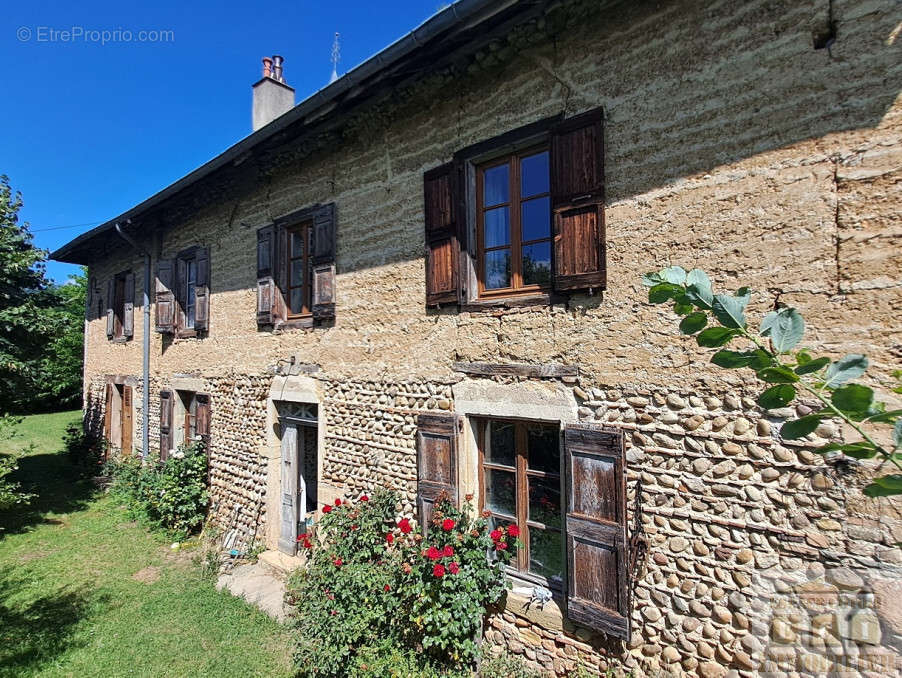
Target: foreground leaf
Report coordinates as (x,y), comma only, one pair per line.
(693,322)
(860,450)
(785,329)
(663,292)
(714,337)
(698,288)
(778,375)
(777,396)
(801,427)
(853,398)
(875,490)
(732,359)
(850,367)
(811,366)
(674,274)
(730,311)
(897,433)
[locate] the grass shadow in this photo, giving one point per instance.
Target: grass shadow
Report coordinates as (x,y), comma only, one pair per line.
(36,629)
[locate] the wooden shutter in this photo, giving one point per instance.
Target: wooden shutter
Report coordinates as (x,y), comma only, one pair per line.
(202,290)
(108,413)
(577,195)
(323,268)
(127,421)
(597,560)
(128,307)
(202,417)
(437,445)
(266,273)
(441,213)
(166,432)
(164,299)
(289,509)
(110,312)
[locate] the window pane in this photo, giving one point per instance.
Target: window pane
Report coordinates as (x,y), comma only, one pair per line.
(501,491)
(192,272)
(536,215)
(534,174)
(497,269)
(189,317)
(297,272)
(297,244)
(537,263)
(191,292)
(546,556)
(496,184)
(499,443)
(545,501)
(497,227)
(297,300)
(543,448)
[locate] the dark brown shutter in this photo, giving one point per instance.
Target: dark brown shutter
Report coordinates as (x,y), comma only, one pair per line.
(577,195)
(110,312)
(164,300)
(108,413)
(437,445)
(266,272)
(202,417)
(202,291)
(128,307)
(441,211)
(596,529)
(127,421)
(323,270)
(166,432)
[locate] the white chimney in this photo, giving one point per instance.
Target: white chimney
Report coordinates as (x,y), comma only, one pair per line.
(272,97)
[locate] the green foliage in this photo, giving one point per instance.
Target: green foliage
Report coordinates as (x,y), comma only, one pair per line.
(771,353)
(11,493)
(85,452)
(377,593)
(505,665)
(171,495)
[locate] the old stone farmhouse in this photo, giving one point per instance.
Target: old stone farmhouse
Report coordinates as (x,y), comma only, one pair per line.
(427,275)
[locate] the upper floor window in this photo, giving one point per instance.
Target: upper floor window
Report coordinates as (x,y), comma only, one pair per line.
(297,265)
(514,224)
(120,308)
(183,293)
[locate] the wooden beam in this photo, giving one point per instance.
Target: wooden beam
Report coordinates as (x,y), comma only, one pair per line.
(550,371)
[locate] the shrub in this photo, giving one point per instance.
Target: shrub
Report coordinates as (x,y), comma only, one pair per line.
(376,593)
(11,493)
(85,452)
(171,494)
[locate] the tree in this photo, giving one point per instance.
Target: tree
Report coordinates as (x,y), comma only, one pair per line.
(771,352)
(59,379)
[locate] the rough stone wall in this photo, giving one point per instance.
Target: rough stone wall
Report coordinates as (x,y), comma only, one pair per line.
(732,145)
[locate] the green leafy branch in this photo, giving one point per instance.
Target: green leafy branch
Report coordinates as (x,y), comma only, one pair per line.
(771,352)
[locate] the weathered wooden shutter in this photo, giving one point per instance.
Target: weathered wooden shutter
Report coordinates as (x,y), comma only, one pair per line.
(127,421)
(266,271)
(202,291)
(108,413)
(323,269)
(128,307)
(166,432)
(441,213)
(164,299)
(202,417)
(437,445)
(110,312)
(597,560)
(577,195)
(289,509)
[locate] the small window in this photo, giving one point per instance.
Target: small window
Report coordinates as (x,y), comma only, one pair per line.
(187,293)
(118,305)
(521,481)
(297,292)
(513,219)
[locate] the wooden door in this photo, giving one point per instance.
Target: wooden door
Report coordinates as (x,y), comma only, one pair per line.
(126,421)
(289,505)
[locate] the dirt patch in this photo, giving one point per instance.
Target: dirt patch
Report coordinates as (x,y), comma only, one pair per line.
(127,526)
(147,575)
(32,555)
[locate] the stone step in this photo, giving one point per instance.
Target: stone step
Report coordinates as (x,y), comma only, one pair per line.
(256,584)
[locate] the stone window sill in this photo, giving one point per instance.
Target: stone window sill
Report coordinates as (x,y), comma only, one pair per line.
(550,617)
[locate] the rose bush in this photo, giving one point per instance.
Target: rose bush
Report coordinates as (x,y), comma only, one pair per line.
(376,586)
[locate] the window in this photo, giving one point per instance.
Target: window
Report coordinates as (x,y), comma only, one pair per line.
(183,294)
(521,483)
(184,418)
(514,224)
(298,266)
(120,306)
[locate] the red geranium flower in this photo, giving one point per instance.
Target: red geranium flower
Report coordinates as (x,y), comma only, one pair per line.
(327,508)
(438,571)
(447,551)
(513,531)
(495,535)
(363,497)
(432,553)
(338,502)
(390,538)
(453,568)
(448,524)
(501,545)
(404,526)
(338,562)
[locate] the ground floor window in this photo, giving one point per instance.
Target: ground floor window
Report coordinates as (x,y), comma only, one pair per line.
(520,468)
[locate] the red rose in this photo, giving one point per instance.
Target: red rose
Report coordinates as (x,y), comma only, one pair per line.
(438,571)
(327,508)
(407,568)
(338,502)
(486,513)
(308,544)
(447,551)
(448,524)
(404,526)
(302,537)
(501,545)
(453,568)
(387,588)
(364,498)
(513,531)
(432,553)
(495,535)
(337,562)
(353,527)
(390,538)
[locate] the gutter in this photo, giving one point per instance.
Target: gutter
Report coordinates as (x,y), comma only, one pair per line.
(455,15)
(145,357)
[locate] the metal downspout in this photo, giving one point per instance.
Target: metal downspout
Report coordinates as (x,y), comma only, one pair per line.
(145,358)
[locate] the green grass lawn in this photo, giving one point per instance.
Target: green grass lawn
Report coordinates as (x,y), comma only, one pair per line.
(84,591)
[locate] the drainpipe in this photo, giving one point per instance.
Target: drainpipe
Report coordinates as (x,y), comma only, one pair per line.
(145,363)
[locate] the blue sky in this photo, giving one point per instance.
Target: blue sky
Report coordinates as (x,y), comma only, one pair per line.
(87,129)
